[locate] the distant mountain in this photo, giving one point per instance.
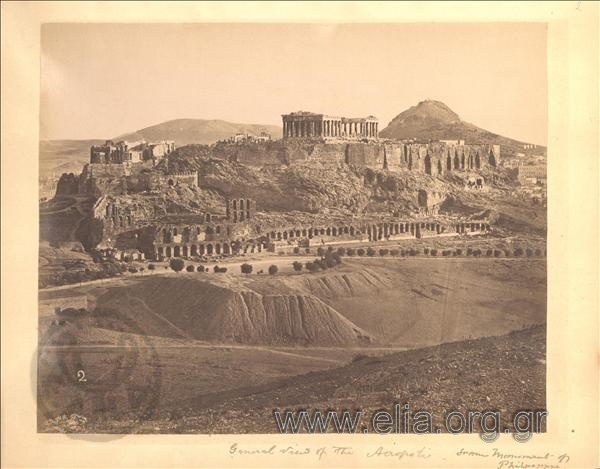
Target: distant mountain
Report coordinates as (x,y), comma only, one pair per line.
(186,131)
(433,120)
(65,156)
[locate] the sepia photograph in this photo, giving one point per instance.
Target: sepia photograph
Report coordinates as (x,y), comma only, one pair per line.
(251,228)
(271,234)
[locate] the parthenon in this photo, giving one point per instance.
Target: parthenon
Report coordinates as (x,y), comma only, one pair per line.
(303,124)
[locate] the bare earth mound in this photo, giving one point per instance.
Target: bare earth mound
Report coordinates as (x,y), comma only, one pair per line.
(206,311)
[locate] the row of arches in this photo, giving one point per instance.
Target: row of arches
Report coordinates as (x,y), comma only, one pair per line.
(206,249)
(384,230)
(471,227)
(192,233)
(312,232)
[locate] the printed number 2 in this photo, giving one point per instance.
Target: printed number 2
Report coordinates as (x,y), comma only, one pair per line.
(81,376)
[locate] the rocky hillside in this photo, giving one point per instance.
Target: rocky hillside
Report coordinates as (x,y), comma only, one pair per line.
(504,373)
(186,131)
(433,120)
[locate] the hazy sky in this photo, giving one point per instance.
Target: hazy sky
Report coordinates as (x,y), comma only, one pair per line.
(99,81)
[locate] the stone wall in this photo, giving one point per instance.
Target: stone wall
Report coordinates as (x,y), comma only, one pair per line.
(434,158)
(101,179)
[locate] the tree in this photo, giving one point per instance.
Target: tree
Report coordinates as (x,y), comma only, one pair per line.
(296,250)
(311,266)
(459,252)
(433,252)
(394,252)
(529,252)
(273,269)
(190,268)
(383,252)
(341,251)
(360,251)
(350,251)
(297,266)
(518,252)
(320,251)
(246,268)
(176,264)
(497,253)
(307,250)
(337,258)
(216,269)
(200,268)
(222,270)
(370,251)
(330,261)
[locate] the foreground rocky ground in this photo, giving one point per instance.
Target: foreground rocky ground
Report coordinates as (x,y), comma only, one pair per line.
(505,374)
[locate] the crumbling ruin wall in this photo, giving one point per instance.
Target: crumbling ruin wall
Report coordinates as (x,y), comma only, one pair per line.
(102,179)
(68,184)
(252,153)
(371,155)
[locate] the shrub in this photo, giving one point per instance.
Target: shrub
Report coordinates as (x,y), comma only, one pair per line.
(151,267)
(246,268)
(402,252)
(190,268)
(216,269)
(200,268)
(506,253)
(132,270)
(329,262)
(497,253)
(337,258)
(360,251)
(469,251)
(412,252)
(370,251)
(311,266)
(320,251)
(297,266)
(518,252)
(222,270)
(529,252)
(433,252)
(445,253)
(350,251)
(489,253)
(426,251)
(176,264)
(477,252)
(329,248)
(296,250)
(281,253)
(383,252)
(459,252)
(307,250)
(394,252)
(273,269)
(341,251)
(538,252)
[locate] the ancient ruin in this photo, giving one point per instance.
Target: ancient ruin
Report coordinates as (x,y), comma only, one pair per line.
(303,124)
